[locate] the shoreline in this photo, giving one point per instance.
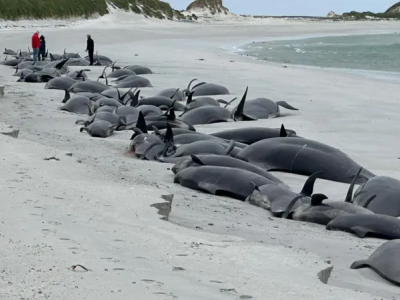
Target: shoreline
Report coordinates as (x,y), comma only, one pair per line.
(107,196)
(249,20)
(376,74)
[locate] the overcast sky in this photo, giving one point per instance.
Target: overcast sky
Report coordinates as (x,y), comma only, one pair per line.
(296,7)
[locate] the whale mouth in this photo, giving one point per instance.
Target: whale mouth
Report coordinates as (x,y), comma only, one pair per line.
(132,148)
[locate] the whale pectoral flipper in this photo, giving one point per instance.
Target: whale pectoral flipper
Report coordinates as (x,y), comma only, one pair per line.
(368,201)
(207,187)
(286,105)
(196,159)
(360,231)
(67,96)
(229,103)
(288,209)
(80,122)
(221,101)
(172,97)
(360,264)
(155,130)
(230,147)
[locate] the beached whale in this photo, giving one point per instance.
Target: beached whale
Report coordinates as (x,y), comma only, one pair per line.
(250,135)
(303,157)
(258,108)
(387,192)
(205,89)
(383,261)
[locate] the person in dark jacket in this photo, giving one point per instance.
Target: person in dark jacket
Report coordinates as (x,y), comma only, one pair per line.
(42,49)
(90,48)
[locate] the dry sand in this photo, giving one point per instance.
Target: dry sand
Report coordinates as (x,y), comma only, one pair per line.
(92,206)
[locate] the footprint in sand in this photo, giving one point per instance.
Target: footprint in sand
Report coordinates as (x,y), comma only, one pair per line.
(151,283)
(166,295)
(47,231)
(54,223)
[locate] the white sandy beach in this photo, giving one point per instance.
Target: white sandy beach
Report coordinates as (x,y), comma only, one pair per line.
(93,205)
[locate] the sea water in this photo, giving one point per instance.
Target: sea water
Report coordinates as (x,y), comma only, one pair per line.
(374,52)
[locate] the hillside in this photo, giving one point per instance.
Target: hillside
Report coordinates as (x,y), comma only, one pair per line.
(64,9)
(213,6)
(392,12)
(394,9)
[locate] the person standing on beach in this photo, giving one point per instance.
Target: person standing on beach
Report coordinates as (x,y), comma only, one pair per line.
(35,45)
(42,49)
(90,48)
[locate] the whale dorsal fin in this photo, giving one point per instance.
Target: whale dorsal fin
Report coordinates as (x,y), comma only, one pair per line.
(170,113)
(168,141)
(239,114)
(317,199)
(190,83)
(283,132)
(349,196)
(309,184)
(189,98)
(141,123)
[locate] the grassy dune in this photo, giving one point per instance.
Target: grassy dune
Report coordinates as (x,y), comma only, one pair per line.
(392,12)
(64,9)
(215,6)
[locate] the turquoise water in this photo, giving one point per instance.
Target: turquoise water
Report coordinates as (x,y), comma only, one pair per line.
(378,52)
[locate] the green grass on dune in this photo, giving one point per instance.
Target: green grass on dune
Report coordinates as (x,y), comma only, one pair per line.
(64,9)
(391,13)
(214,5)
(394,7)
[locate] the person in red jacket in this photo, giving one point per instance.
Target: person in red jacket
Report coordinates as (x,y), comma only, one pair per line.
(35,45)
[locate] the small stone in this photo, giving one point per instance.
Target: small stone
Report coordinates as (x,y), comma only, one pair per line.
(51,158)
(10,132)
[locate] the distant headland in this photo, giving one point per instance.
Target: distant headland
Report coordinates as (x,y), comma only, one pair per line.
(197,11)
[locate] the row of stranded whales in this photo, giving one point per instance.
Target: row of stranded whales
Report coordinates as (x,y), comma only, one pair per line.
(236,163)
